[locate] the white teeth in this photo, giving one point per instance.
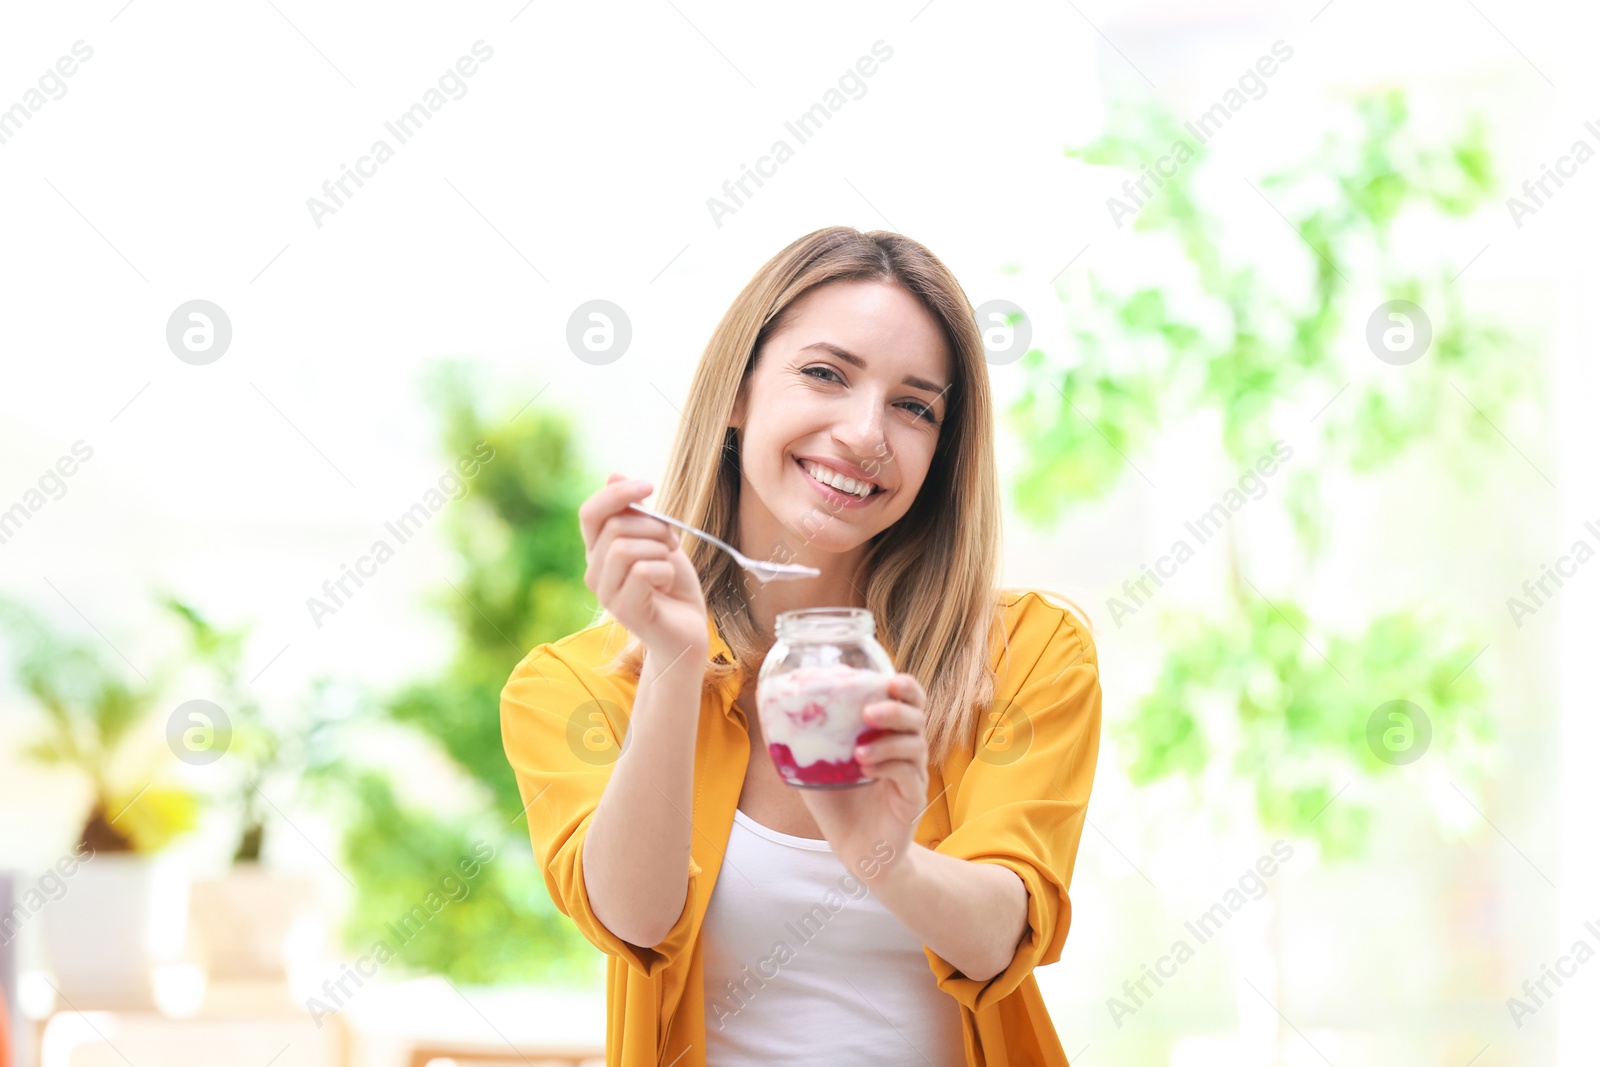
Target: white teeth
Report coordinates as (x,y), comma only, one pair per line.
(838,481)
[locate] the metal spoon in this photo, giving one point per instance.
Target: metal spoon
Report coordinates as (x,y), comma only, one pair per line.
(763,569)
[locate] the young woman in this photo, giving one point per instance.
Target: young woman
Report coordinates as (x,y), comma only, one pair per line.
(747,922)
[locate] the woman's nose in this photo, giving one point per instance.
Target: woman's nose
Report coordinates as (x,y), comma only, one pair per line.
(862,431)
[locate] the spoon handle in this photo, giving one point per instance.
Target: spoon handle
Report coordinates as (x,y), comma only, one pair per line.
(670,521)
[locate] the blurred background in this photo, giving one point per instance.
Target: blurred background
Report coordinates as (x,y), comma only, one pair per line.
(1287,308)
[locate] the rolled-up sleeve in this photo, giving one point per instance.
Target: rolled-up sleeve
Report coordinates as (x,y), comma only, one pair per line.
(548,716)
(1022,803)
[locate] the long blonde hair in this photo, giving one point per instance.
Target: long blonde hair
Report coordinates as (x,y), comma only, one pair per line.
(930,579)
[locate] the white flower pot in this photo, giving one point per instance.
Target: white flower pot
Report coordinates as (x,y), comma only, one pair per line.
(244,921)
(121,915)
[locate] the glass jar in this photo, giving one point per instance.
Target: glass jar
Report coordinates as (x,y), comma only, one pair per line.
(824,668)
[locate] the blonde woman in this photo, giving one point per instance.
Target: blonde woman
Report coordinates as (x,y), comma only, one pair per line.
(747,922)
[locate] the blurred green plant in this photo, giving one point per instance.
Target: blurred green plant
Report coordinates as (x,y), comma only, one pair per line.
(103,728)
(1241,332)
(259,750)
(520,563)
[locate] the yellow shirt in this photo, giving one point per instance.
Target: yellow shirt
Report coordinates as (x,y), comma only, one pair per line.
(1020,804)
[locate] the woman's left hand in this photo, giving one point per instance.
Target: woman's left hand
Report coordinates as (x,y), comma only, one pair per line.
(870,827)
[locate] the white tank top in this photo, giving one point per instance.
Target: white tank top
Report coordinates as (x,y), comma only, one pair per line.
(803,965)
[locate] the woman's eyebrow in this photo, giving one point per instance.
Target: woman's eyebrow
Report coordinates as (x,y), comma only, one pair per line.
(855,360)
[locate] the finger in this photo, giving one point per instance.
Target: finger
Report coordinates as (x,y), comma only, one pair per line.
(645,579)
(624,554)
(906,687)
(658,574)
(626,523)
(593,512)
(907,780)
(614,496)
(891,747)
(892,715)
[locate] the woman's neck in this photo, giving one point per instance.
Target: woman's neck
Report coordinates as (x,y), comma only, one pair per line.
(769,601)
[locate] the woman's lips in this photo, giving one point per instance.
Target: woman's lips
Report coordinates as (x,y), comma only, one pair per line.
(837,496)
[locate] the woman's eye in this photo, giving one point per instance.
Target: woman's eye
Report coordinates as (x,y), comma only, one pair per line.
(921,411)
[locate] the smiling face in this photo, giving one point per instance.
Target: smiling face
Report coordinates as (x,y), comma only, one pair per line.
(857,380)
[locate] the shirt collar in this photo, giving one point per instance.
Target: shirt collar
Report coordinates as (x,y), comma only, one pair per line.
(718,648)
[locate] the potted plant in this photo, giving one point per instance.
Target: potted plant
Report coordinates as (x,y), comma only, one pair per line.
(123,911)
(243,919)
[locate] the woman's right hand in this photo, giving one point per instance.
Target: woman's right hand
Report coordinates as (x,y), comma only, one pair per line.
(638,571)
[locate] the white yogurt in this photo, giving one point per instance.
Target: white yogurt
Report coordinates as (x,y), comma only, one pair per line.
(816,711)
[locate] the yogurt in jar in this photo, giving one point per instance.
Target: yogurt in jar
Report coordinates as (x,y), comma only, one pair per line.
(811,721)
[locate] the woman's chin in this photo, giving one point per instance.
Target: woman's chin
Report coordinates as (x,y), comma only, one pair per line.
(835,538)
